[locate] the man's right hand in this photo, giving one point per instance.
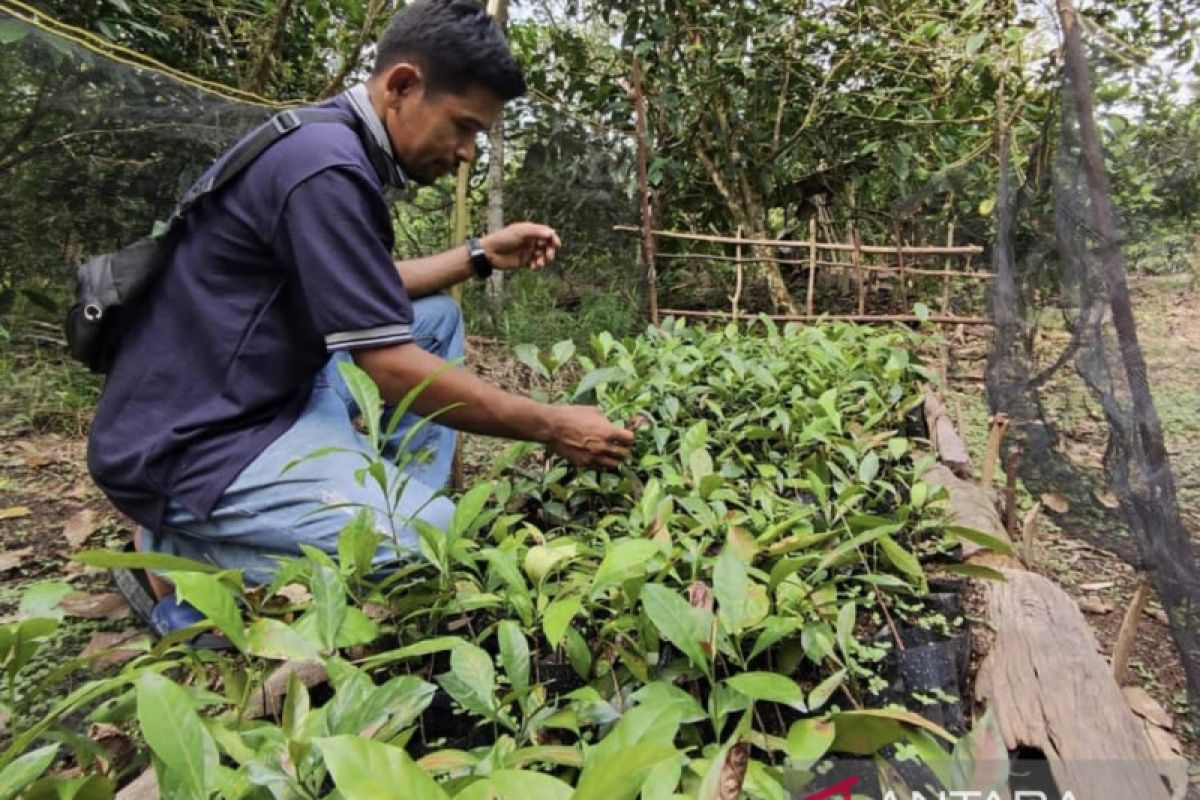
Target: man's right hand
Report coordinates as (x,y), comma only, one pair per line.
(585,437)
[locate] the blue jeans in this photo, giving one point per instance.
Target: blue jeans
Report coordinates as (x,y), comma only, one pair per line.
(265,514)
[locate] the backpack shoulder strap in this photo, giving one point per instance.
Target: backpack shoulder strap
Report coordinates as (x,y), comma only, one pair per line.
(250,148)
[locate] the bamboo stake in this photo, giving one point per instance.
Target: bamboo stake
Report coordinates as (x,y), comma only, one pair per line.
(737,292)
(977,276)
(1010,494)
(946,271)
(1127,635)
(858,269)
(945,346)
(874,249)
(812,262)
(683,312)
(1028,532)
(992,454)
(647,226)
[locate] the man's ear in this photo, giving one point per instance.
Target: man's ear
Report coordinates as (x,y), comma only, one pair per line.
(403,79)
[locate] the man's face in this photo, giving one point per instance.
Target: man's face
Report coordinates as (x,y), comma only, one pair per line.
(432,133)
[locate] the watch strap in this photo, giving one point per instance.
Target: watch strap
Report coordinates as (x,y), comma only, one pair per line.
(481,265)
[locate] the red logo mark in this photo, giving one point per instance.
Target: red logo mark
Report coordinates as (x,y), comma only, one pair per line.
(841,790)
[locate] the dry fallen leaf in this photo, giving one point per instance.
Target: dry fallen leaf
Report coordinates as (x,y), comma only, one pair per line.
(1091,605)
(295,594)
(95,606)
(1098,586)
(700,596)
(1056,502)
(1108,500)
(81,526)
(117,647)
(14,512)
(13,558)
(117,746)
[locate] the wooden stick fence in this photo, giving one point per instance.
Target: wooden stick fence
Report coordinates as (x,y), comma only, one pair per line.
(909,261)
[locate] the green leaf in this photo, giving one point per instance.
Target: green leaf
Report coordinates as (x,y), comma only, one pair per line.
(852,544)
(866,731)
(270,638)
(977,571)
(363,769)
(624,560)
(679,623)
(595,378)
(438,644)
(42,599)
(578,653)
(558,616)
(112,559)
(770,687)
(527,354)
(175,733)
(358,542)
(821,693)
(731,588)
(921,311)
(356,629)
(11,31)
(618,774)
(775,629)
(809,739)
(561,352)
(982,539)
(980,759)
(509,784)
(900,558)
(366,396)
(28,768)
(540,559)
(868,469)
(514,653)
(466,510)
(473,666)
(668,696)
(329,603)
(213,599)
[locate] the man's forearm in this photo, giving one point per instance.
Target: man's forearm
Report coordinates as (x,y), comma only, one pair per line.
(426,276)
(480,407)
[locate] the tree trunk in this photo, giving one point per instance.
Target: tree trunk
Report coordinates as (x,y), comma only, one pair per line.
(495,205)
(498,9)
(260,74)
(749,211)
(352,61)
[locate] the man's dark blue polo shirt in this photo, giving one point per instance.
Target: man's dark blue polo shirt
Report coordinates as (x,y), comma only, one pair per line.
(290,261)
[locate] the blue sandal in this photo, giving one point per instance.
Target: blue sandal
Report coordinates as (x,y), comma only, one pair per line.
(163,616)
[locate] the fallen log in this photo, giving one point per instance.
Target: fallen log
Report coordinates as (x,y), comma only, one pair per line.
(1045,679)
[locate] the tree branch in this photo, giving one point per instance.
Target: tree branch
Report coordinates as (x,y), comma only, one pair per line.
(351,63)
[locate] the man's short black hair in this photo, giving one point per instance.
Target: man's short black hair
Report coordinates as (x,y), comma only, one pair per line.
(456,44)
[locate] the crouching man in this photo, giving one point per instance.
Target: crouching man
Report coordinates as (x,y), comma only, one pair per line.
(228,372)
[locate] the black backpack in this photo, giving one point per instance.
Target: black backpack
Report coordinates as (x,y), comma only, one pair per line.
(109,286)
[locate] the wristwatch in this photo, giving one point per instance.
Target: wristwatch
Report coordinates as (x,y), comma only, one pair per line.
(481,265)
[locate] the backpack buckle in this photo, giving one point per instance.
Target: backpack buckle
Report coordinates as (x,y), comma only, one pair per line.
(286,121)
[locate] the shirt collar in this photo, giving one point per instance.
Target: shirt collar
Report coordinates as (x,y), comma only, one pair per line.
(360,103)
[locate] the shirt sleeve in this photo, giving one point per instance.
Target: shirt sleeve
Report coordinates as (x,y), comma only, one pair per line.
(334,232)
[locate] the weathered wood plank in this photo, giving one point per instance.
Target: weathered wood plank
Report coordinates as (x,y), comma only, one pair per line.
(1050,689)
(949,446)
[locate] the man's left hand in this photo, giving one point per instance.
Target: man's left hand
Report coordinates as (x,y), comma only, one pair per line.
(522,245)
